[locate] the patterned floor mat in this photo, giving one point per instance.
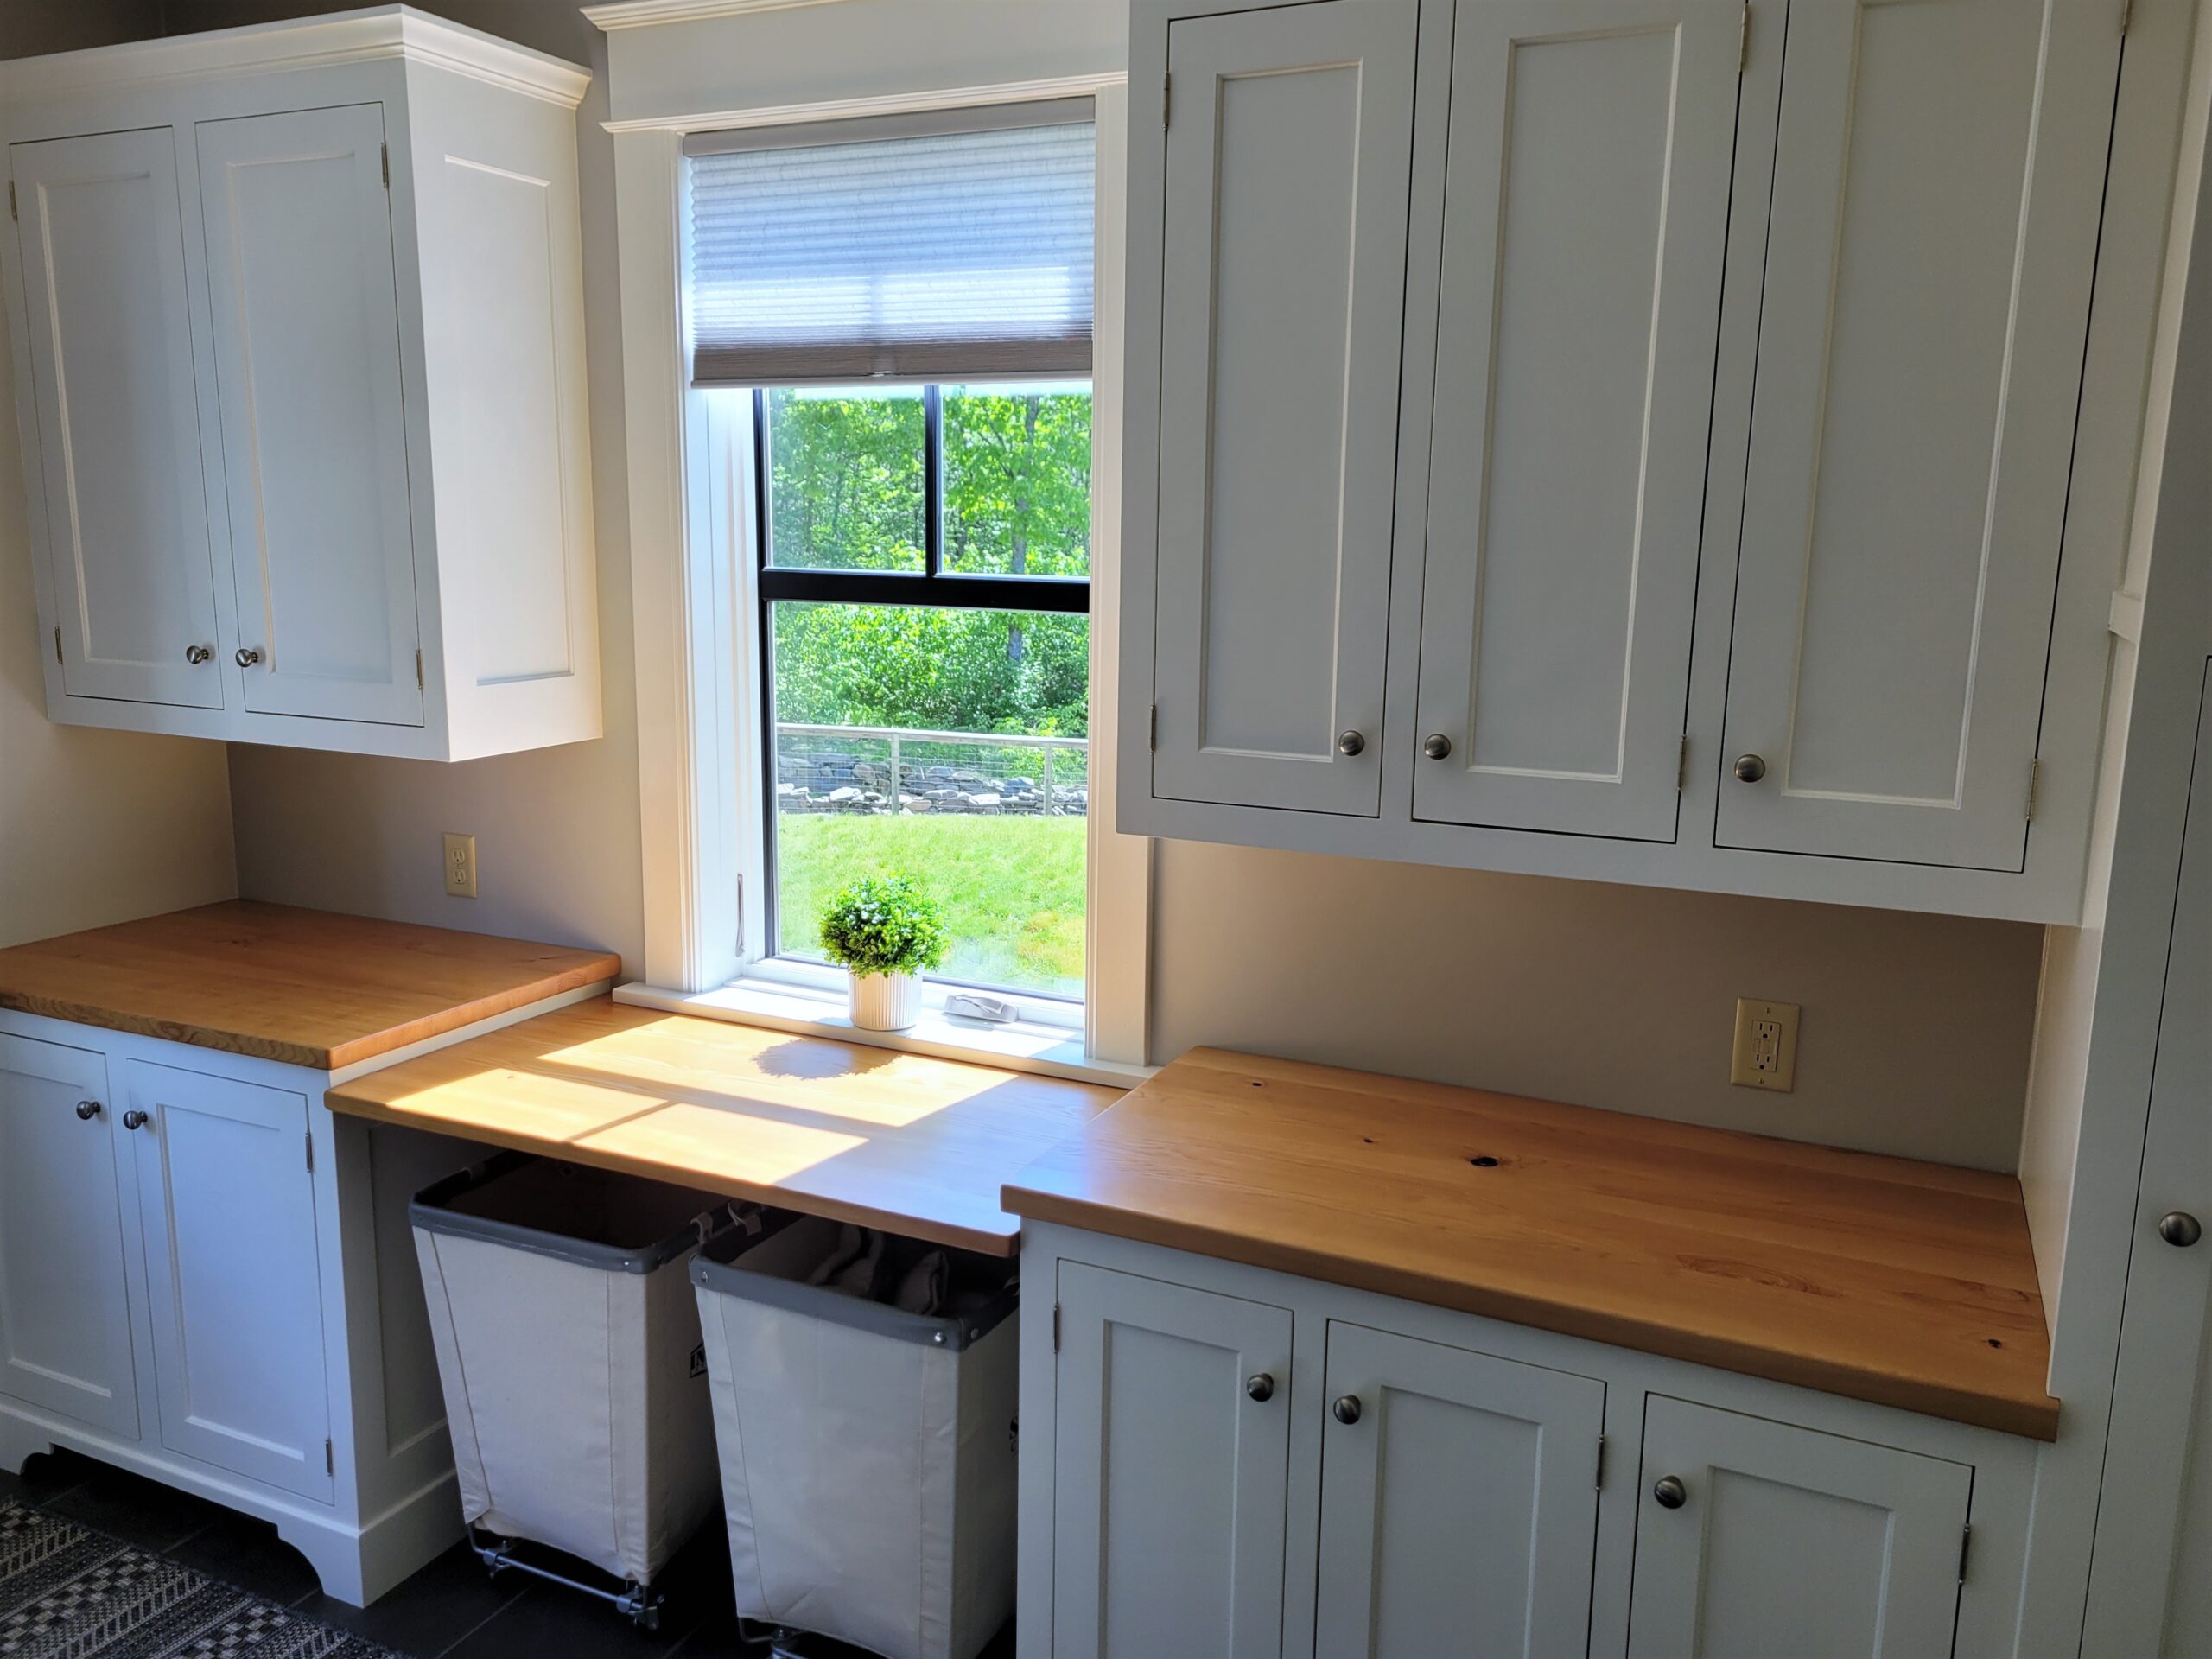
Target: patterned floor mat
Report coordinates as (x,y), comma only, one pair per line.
(67,1593)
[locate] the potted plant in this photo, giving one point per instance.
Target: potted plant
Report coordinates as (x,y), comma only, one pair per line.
(883,931)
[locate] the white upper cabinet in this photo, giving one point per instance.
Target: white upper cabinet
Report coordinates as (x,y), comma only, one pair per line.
(1585,215)
(119,489)
(1719,534)
(297,322)
(315,443)
(1282,293)
(1937,181)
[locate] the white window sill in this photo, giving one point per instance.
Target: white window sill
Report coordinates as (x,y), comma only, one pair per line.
(1049,1050)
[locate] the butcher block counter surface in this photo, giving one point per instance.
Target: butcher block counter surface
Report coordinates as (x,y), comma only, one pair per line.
(1907,1284)
(880,1139)
(305,987)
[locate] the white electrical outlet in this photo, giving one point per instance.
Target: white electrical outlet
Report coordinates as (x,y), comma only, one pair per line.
(461,866)
(1766,1045)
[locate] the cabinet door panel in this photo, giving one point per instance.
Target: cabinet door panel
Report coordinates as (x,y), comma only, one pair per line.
(1459,1513)
(1586,217)
(123,482)
(1169,1482)
(1284,293)
(1792,1541)
(65,1308)
(226,1204)
(1937,185)
(307,351)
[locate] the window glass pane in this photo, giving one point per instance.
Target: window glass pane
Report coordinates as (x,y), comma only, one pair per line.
(991,824)
(845,479)
(1017,480)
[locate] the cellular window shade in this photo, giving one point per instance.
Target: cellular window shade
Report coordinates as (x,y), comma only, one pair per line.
(948,255)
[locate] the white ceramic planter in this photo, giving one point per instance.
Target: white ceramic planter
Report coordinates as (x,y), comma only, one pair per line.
(886,1001)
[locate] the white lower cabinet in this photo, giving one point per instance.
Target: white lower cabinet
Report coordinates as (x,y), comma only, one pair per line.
(1459,1502)
(233,1297)
(64,1289)
(1220,1461)
(1760,1538)
(207,1278)
(1170,1459)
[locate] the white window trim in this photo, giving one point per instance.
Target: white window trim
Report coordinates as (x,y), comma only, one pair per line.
(698,690)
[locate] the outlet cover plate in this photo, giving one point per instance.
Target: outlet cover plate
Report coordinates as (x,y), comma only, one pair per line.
(461,866)
(1765,1055)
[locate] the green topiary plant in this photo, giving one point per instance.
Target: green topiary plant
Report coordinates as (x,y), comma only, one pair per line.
(883,925)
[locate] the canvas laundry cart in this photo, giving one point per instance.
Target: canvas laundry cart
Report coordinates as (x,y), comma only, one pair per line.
(867,1452)
(568,1345)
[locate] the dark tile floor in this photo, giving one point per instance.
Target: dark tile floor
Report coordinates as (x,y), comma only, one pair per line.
(452,1608)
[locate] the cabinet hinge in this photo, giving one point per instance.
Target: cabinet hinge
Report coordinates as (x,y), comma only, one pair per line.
(1744,43)
(1682,765)
(1167,89)
(1600,1483)
(12,214)
(1966,1543)
(311,1138)
(2035,777)
(1151,740)
(1056,1327)
(384,161)
(57,644)
(418,668)
(329,1458)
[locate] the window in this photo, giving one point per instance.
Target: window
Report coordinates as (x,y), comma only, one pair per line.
(899,313)
(923,588)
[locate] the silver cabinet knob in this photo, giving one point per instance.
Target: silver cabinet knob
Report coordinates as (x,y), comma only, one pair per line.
(197,654)
(1749,768)
(1350,742)
(1261,1388)
(1668,1493)
(2180,1229)
(134,1119)
(87,1110)
(1436,746)
(1346,1409)
(247,656)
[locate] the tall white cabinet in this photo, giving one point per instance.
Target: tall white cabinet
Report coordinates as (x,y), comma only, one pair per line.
(1732,375)
(296,317)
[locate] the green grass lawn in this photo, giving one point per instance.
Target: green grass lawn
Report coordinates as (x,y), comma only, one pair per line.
(1012,888)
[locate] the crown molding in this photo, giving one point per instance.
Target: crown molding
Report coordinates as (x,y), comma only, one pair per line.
(651,14)
(369,35)
(839,109)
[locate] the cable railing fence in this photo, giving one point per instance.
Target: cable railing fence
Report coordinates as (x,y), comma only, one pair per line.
(882,770)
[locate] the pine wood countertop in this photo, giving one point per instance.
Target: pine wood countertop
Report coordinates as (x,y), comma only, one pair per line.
(306,986)
(1904,1283)
(902,1142)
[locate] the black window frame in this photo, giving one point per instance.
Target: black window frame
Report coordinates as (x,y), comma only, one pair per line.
(932,585)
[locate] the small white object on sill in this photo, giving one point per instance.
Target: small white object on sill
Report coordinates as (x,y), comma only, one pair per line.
(1048,1051)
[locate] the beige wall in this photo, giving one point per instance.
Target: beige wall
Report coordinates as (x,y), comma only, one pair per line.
(95,827)
(1916,1028)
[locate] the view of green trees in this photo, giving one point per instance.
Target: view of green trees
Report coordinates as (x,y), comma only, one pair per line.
(847,491)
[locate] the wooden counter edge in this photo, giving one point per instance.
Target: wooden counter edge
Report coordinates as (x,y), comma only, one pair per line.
(1004,1244)
(603,970)
(2031,1417)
